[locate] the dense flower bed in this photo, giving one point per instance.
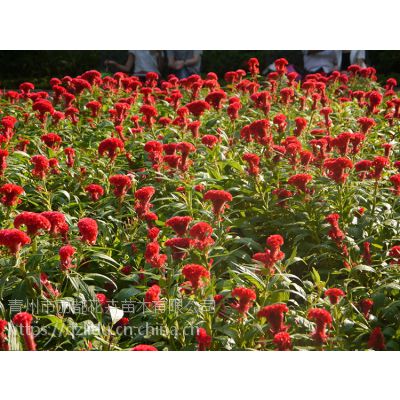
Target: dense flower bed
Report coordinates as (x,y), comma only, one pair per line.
(258,213)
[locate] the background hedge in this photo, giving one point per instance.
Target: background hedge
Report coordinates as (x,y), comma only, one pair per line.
(38,66)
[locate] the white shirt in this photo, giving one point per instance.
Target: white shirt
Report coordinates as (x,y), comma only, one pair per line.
(145,61)
(327,60)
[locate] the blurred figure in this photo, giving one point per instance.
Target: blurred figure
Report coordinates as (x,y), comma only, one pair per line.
(350,57)
(184,63)
(321,60)
(139,62)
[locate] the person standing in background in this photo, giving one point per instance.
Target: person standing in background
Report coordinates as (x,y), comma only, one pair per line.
(139,62)
(184,63)
(321,61)
(350,57)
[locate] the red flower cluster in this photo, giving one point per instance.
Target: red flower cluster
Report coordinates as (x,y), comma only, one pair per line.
(274,315)
(322,318)
(88,230)
(219,198)
(272,254)
(14,239)
(246,298)
(195,275)
(33,222)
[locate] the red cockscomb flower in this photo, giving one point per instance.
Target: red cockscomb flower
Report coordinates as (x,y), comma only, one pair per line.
(366,306)
(121,183)
(51,140)
(4,346)
(195,275)
(95,191)
(209,140)
(198,107)
(179,224)
(336,168)
(274,315)
(57,222)
(143,197)
(152,296)
(300,181)
(40,166)
(254,161)
(66,253)
(322,318)
(10,194)
(110,146)
(14,239)
(201,234)
(143,347)
(246,298)
(33,222)
(24,320)
(282,341)
(70,153)
(219,198)
(376,340)
(3,161)
(203,339)
(271,255)
(88,230)
(153,257)
(334,295)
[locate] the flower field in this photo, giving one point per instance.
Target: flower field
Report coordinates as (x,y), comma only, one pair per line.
(220,213)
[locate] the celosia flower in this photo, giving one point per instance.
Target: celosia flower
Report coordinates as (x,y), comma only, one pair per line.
(366,306)
(301,124)
(152,296)
(300,181)
(51,140)
(152,255)
(209,140)
(24,320)
(376,340)
(195,275)
(57,222)
(88,230)
(66,253)
(198,107)
(336,168)
(95,191)
(10,194)
(179,224)
(121,183)
(219,198)
(40,166)
(246,298)
(102,299)
(203,339)
(334,295)
(201,235)
(3,161)
(216,99)
(70,153)
(4,346)
(274,315)
(143,196)
(271,255)
(143,347)
(110,146)
(322,318)
(33,222)
(94,107)
(14,239)
(254,161)
(282,341)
